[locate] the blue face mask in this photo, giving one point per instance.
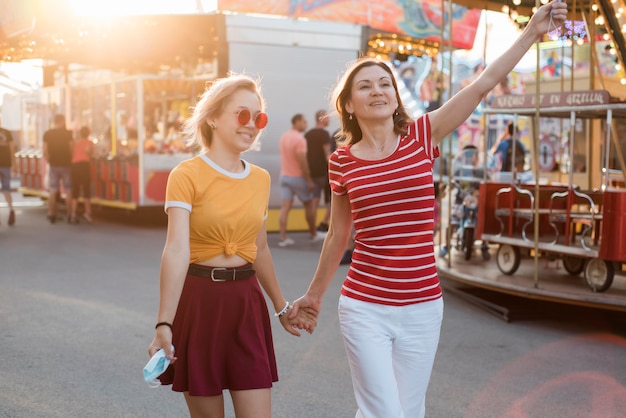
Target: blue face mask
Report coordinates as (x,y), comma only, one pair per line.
(155,367)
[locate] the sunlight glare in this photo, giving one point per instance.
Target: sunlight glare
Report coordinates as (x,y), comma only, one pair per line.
(108,8)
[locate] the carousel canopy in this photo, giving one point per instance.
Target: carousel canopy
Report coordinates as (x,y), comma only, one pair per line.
(48,30)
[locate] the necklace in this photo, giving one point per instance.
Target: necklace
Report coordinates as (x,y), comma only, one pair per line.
(380,147)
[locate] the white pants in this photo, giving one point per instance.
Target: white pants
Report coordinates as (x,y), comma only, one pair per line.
(391,351)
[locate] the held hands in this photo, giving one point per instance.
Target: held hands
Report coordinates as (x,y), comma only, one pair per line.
(307,306)
(305,319)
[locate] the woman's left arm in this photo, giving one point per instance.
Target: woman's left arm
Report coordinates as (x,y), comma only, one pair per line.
(266,274)
(456,110)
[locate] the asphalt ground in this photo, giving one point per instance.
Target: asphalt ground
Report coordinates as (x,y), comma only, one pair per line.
(78,305)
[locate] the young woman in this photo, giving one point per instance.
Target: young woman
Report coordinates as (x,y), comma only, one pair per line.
(390,308)
(211,306)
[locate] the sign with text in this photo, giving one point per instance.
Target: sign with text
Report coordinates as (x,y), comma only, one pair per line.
(571,98)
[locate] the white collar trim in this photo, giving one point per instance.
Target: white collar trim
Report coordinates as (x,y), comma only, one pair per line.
(241,175)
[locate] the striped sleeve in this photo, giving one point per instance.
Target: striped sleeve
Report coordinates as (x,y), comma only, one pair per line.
(335,175)
(422,127)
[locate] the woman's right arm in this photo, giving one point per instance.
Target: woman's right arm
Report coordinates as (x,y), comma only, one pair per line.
(339,230)
(460,106)
(174,265)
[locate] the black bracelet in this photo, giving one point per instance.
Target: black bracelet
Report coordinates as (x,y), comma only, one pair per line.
(167,324)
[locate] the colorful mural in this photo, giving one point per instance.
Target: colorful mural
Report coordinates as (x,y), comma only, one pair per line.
(419,19)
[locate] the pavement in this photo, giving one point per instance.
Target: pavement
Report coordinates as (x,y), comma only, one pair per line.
(78,305)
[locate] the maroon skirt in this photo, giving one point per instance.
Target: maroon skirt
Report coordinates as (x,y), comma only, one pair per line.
(222,338)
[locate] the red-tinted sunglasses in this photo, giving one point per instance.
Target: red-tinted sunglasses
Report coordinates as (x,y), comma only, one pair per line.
(260,120)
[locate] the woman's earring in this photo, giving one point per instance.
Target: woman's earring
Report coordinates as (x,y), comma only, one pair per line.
(396,113)
(350,116)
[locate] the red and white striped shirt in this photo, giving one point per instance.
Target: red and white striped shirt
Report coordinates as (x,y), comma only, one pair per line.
(392,203)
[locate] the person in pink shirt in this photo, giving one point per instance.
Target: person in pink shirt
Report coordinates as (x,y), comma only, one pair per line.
(81,174)
(295,179)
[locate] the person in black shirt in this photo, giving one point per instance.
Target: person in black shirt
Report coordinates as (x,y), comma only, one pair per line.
(318,150)
(57,150)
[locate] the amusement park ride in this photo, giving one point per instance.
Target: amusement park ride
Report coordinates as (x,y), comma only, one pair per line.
(583,227)
(576,218)
(114,76)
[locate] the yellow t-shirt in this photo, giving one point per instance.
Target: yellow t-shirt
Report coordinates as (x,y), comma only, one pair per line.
(227,210)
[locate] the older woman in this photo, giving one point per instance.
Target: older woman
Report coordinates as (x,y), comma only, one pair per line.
(391,309)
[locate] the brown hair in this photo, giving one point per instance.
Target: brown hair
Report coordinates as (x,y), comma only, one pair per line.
(350,131)
(59,120)
(84,132)
(320,115)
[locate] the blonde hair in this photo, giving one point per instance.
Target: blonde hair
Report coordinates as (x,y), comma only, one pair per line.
(212,104)
(350,131)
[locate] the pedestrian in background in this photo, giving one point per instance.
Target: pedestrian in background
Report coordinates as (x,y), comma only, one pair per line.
(295,179)
(390,308)
(212,309)
(81,174)
(502,150)
(57,151)
(7,167)
(318,150)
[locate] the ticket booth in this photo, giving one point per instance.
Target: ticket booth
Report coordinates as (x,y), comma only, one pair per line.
(136,127)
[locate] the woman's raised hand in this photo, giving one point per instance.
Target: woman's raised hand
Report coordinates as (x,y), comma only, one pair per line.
(549,17)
